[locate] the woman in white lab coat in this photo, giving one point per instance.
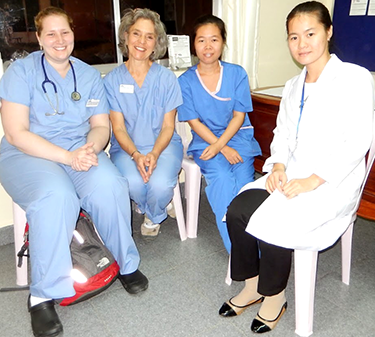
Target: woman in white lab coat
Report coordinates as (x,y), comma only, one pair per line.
(317,164)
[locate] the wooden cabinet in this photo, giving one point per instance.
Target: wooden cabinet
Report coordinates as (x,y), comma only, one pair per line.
(263,118)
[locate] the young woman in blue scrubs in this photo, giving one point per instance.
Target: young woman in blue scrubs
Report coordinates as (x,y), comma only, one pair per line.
(143,97)
(216,102)
(55,118)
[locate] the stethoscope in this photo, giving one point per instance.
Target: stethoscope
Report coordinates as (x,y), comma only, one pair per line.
(76,96)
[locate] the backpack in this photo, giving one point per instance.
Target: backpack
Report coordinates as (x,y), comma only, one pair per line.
(94,267)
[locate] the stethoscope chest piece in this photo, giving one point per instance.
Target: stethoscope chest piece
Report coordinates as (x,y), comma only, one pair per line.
(76,96)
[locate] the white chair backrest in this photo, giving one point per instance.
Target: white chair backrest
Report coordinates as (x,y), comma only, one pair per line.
(369,163)
(184,130)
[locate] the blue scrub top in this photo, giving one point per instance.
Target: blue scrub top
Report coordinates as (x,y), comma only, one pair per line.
(215,110)
(22,83)
(143,108)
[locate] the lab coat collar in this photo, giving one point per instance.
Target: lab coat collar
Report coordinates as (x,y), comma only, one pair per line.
(329,72)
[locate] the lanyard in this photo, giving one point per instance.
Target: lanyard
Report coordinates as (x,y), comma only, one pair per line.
(301,106)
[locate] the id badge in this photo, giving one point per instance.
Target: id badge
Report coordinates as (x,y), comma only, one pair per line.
(92,103)
(127,88)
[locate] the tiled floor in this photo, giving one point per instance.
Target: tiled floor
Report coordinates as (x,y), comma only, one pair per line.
(187,288)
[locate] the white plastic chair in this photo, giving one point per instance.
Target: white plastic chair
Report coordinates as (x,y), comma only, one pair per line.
(305,265)
(193,178)
(19,220)
(179,212)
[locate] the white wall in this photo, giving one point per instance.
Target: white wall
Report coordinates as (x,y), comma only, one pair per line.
(275,65)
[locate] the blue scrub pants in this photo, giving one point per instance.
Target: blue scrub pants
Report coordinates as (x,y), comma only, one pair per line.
(153,197)
(52,194)
(223,183)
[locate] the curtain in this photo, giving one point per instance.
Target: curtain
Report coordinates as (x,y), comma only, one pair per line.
(241,18)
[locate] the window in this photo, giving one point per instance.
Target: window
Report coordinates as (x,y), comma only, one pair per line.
(94,21)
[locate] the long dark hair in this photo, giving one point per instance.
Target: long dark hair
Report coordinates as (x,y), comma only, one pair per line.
(311,7)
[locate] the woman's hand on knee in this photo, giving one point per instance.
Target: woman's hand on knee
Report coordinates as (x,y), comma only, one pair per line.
(297,186)
(231,155)
(210,151)
(276,180)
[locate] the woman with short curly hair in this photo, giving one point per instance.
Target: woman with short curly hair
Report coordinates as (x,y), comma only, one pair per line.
(143,98)
(128,20)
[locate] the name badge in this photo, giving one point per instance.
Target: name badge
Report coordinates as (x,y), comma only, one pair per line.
(92,103)
(127,88)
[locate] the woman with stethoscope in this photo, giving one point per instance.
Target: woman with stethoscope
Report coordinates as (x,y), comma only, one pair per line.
(56,123)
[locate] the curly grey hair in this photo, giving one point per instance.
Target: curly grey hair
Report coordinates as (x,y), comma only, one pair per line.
(129,19)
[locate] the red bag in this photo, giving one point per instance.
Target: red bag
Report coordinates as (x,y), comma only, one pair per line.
(91,259)
(94,267)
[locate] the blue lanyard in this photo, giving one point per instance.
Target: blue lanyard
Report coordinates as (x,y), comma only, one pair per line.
(301,106)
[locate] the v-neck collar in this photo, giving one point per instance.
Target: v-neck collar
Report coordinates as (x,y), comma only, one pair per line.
(53,74)
(149,75)
(218,86)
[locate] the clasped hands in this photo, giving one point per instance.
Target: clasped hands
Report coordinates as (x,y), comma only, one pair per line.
(146,164)
(83,158)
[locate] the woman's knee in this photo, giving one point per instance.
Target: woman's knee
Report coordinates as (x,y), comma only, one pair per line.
(235,211)
(55,206)
(245,204)
(162,184)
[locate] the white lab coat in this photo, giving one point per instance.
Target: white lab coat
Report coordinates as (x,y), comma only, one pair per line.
(334,135)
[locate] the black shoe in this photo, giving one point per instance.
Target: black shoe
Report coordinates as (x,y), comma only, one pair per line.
(229,309)
(44,319)
(261,325)
(134,282)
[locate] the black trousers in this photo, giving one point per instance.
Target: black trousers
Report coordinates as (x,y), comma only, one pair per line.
(250,256)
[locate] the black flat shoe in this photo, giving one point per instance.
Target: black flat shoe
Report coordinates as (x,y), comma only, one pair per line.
(229,309)
(259,323)
(134,282)
(44,320)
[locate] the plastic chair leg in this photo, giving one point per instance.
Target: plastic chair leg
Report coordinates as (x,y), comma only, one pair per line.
(346,253)
(305,264)
(179,212)
(193,179)
(228,278)
(19,219)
